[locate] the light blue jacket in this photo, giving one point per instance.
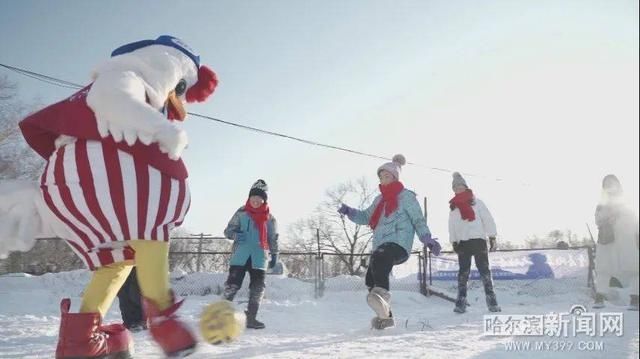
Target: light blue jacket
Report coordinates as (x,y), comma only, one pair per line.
(400,227)
(249,247)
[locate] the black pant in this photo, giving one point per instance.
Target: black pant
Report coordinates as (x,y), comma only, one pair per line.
(130,297)
(476,248)
(256,285)
(381,262)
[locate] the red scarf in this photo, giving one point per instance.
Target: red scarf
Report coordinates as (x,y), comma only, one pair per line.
(463,201)
(260,216)
(389,202)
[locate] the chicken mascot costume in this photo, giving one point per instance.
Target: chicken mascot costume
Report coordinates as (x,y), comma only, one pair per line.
(114,187)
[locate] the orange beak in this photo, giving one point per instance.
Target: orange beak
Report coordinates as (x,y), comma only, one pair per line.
(175,107)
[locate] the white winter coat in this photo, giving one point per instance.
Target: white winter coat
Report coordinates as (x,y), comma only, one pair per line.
(619,257)
(482,227)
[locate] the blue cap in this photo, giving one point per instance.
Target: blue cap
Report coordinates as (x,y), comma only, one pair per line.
(165,40)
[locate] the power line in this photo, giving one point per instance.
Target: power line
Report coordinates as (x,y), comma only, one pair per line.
(48,79)
(302,140)
(71,85)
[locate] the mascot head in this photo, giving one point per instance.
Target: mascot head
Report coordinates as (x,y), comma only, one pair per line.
(140,92)
(172,71)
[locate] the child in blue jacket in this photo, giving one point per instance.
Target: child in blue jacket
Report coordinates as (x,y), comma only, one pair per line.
(254,232)
(395,217)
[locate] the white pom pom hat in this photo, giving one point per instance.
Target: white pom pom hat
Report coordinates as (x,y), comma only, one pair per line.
(394,167)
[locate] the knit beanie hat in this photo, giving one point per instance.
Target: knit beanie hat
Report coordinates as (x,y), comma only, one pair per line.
(259,189)
(394,166)
(458,180)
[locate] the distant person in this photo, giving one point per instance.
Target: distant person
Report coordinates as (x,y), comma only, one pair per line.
(470,225)
(617,246)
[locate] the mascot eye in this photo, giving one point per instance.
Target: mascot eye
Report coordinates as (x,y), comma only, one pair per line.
(181,87)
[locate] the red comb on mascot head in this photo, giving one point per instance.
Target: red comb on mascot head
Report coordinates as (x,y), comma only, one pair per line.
(115,185)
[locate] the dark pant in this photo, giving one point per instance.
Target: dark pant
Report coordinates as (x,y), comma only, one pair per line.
(130,297)
(476,248)
(256,285)
(381,262)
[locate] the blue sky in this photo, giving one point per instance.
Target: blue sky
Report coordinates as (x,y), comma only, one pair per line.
(543,94)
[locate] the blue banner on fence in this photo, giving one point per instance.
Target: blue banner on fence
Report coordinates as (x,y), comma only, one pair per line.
(537,264)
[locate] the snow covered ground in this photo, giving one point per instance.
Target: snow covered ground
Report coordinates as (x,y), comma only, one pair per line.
(336,325)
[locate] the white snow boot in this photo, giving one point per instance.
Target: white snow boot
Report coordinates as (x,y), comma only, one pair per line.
(379,299)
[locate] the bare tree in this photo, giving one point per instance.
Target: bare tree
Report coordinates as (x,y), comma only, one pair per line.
(554,237)
(337,235)
(177,260)
(8,89)
(17,159)
(508,245)
(304,242)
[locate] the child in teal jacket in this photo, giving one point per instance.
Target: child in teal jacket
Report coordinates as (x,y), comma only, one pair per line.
(395,217)
(254,232)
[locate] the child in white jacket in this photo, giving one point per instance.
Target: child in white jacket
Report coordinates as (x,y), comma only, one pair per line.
(617,248)
(470,224)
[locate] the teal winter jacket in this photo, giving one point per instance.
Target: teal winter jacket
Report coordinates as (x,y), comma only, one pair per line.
(400,227)
(246,240)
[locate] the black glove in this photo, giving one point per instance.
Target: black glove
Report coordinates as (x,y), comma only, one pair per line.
(274,260)
(456,247)
(492,244)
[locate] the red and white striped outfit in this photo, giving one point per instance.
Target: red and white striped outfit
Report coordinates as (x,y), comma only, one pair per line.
(104,192)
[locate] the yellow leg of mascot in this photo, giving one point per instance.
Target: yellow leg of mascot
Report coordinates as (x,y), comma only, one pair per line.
(151,260)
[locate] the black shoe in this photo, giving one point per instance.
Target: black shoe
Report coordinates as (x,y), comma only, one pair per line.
(461,305)
(633,304)
(492,303)
(459,309)
(136,327)
(599,301)
(253,323)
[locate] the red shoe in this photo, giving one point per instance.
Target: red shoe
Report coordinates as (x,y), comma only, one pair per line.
(168,331)
(82,336)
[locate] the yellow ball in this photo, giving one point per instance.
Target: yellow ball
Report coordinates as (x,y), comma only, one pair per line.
(220,323)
